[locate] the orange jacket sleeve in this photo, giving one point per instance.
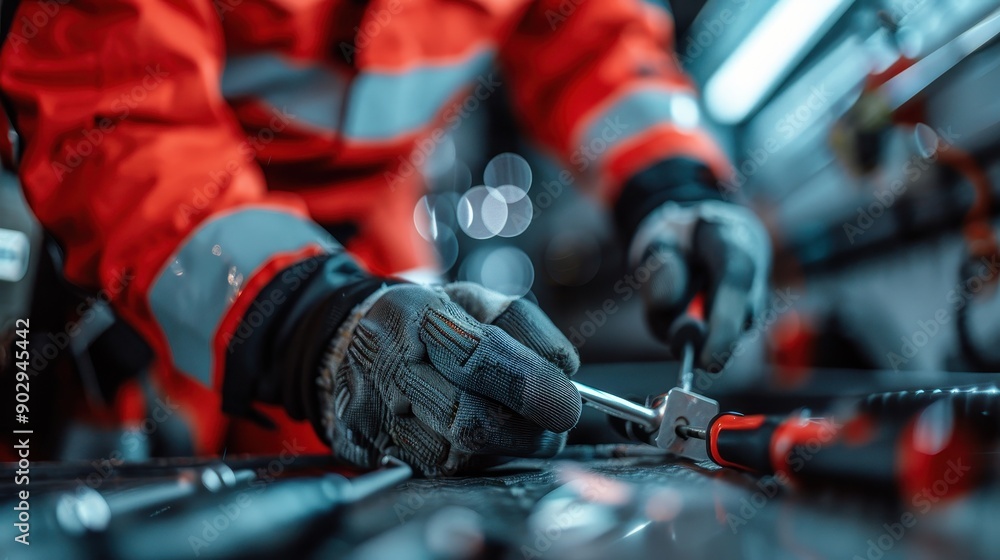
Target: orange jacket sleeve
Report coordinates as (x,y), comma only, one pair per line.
(598,84)
(134,163)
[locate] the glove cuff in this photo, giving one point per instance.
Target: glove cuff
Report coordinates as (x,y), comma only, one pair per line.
(678,180)
(334,356)
(302,307)
(328,320)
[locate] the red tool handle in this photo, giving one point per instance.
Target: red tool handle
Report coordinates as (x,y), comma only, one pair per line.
(880,453)
(761,443)
(741,442)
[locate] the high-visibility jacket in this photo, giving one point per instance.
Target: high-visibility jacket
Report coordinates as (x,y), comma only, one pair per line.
(187,153)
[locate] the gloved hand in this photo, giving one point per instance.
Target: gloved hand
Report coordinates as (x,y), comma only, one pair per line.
(446,378)
(713,247)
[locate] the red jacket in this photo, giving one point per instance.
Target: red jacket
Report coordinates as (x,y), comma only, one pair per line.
(191,146)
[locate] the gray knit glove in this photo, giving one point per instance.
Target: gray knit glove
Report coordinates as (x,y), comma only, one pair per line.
(446,378)
(714,247)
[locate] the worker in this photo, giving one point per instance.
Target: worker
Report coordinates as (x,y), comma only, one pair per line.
(240,164)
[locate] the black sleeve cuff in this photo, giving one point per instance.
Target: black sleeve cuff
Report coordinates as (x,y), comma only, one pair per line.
(679,180)
(275,353)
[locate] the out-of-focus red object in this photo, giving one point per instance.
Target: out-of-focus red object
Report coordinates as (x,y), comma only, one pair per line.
(792,349)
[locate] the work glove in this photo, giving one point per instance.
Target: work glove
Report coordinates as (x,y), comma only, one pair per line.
(447,378)
(712,247)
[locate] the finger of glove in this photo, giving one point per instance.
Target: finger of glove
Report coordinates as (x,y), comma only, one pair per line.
(543,446)
(486,360)
(521,319)
(729,271)
(352,444)
(484,426)
(418,445)
(472,423)
(355,405)
(432,398)
(483,304)
(526,323)
(669,288)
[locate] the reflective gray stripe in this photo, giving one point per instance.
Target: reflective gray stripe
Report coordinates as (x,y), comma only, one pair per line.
(635,113)
(202,279)
(385,105)
(311,93)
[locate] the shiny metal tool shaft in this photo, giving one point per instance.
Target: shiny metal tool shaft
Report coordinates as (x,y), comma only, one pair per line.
(618,407)
(685,377)
(692,432)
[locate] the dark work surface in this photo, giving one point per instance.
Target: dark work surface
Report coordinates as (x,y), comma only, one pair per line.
(624,502)
(594,501)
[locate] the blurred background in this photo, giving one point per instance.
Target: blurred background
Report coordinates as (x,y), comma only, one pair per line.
(864,133)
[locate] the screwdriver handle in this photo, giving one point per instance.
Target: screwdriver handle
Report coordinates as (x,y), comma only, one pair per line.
(741,442)
(882,454)
(760,443)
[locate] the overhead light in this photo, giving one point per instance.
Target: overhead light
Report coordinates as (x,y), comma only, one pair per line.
(784,35)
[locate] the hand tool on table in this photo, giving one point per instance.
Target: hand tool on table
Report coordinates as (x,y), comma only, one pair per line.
(260,517)
(679,407)
(690,425)
(908,455)
(901,453)
(759,443)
